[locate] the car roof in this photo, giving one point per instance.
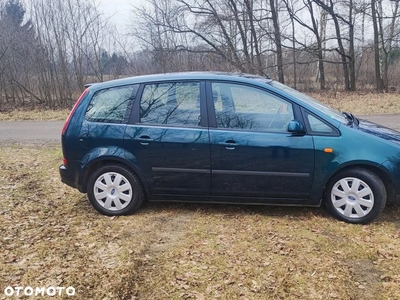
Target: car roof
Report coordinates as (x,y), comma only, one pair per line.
(224,76)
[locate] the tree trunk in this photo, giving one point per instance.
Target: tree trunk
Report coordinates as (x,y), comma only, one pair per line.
(378,78)
(278,41)
(352,65)
(321,40)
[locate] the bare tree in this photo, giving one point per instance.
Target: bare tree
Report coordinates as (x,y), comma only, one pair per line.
(17,46)
(277,39)
(378,76)
(72,35)
(347,57)
(318,32)
(384,24)
(243,34)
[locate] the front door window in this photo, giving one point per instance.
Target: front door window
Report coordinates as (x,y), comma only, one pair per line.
(248,108)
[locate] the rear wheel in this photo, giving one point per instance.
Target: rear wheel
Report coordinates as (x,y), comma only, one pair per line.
(115,190)
(356,196)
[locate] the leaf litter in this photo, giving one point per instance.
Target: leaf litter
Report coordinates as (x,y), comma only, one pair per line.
(51,236)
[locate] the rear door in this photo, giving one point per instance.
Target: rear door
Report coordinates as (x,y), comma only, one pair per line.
(168,139)
(105,120)
(252,153)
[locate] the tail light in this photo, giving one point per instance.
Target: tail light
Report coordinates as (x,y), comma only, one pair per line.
(72,112)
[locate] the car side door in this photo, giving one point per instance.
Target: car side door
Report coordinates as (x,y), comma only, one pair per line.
(167,138)
(252,153)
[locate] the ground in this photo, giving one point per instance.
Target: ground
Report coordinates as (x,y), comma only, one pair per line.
(51,236)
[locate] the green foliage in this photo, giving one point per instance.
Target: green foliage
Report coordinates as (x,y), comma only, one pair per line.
(394,56)
(14,16)
(15,11)
(114,64)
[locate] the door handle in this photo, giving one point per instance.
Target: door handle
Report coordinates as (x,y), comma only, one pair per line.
(229,144)
(144,140)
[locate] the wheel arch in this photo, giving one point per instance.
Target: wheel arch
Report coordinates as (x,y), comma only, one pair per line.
(387,181)
(109,160)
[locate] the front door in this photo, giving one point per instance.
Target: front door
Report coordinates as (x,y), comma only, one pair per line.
(252,153)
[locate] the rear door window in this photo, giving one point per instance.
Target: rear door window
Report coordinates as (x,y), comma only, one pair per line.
(172,103)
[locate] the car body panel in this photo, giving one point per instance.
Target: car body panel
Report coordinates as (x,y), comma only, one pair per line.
(354,147)
(261,164)
(383,132)
(172,160)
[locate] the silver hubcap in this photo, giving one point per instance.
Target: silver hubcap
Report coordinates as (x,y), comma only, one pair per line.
(352,197)
(113,191)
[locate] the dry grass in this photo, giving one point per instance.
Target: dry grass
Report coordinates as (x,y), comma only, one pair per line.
(35,115)
(360,103)
(52,236)
(357,103)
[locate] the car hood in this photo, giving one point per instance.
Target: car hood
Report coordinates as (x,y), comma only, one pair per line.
(380,131)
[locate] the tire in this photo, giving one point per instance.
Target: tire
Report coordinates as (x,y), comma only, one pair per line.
(114,190)
(356,196)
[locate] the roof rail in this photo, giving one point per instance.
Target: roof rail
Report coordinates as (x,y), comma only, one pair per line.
(89,84)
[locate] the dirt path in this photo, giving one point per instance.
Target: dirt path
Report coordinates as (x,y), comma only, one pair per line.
(49,131)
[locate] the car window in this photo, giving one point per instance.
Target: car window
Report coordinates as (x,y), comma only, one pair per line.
(244,107)
(318,126)
(332,113)
(175,103)
(111,105)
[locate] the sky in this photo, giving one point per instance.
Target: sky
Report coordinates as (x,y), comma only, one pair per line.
(119,11)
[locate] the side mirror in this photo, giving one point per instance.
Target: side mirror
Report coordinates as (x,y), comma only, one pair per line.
(295,126)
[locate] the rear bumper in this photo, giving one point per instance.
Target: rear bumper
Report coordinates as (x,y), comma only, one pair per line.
(69,178)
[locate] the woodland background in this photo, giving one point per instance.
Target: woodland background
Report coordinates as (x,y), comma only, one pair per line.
(49,49)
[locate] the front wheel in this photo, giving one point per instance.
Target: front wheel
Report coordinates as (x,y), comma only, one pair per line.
(115,190)
(356,196)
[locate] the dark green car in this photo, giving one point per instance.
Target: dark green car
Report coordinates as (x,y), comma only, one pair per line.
(225,138)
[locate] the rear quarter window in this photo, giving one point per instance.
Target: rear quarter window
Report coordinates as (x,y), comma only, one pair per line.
(112,105)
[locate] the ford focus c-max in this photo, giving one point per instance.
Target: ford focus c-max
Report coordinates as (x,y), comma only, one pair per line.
(225,138)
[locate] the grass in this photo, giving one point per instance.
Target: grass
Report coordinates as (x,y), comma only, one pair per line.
(52,236)
(35,115)
(357,103)
(361,103)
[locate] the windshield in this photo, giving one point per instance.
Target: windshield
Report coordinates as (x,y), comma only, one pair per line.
(334,114)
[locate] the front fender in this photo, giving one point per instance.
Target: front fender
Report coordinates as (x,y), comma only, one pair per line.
(325,173)
(392,169)
(342,155)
